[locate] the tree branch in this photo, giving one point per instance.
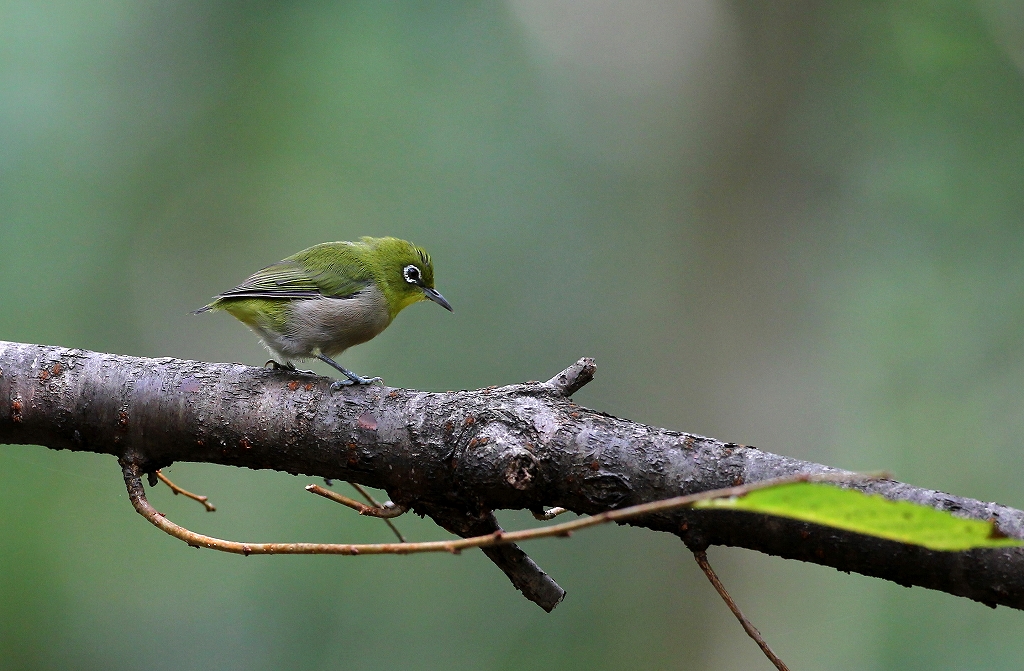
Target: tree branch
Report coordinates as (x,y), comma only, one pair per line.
(458,456)
(175,489)
(748,626)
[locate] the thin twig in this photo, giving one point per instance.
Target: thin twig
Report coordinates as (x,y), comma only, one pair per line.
(376,504)
(550,514)
(383,512)
(752,632)
(178,490)
(137,495)
(338,498)
(365,494)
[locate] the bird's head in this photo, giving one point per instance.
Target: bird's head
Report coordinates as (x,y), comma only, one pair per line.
(403,271)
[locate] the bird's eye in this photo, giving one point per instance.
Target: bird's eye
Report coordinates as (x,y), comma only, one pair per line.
(411,274)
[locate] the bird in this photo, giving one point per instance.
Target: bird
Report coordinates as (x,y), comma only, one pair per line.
(319,302)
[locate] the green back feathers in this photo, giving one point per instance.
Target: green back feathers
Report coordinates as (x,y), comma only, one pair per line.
(330,270)
(266,313)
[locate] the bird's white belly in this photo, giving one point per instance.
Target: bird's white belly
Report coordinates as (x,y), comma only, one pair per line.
(331,325)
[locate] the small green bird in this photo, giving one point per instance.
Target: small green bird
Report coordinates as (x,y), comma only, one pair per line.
(325,299)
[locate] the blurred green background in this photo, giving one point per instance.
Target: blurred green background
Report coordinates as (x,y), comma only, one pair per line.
(794,225)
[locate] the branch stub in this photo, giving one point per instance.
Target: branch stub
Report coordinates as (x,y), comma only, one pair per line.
(573,378)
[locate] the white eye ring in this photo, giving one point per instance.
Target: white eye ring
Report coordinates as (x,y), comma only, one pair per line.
(411,274)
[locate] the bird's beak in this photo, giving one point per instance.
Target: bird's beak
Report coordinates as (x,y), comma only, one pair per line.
(433,295)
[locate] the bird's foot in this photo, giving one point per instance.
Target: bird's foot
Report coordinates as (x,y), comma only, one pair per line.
(354,379)
(288,366)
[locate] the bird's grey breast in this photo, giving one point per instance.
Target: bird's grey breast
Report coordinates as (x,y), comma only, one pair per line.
(332,325)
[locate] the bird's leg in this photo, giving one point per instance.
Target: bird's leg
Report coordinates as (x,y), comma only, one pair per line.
(352,377)
(288,366)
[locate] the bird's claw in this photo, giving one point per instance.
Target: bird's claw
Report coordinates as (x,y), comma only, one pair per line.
(289,366)
(357,379)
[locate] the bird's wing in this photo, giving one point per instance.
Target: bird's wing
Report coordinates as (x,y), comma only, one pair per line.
(288,279)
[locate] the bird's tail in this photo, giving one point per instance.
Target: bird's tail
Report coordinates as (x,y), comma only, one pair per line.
(205,308)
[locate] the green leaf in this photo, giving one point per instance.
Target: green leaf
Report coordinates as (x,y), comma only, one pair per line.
(868,514)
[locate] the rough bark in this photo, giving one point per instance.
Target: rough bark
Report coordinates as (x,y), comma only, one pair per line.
(458,456)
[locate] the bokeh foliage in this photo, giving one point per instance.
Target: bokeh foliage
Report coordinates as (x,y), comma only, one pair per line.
(792,225)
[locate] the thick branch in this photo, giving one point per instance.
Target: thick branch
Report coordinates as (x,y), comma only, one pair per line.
(458,456)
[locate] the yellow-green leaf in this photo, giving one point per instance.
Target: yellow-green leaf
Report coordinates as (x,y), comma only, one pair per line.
(868,514)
